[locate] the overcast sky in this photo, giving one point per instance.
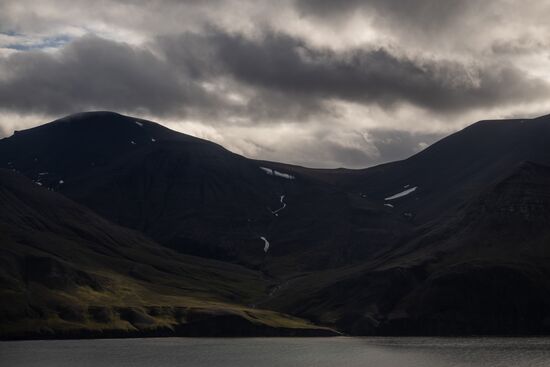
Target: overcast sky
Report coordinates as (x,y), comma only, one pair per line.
(321,83)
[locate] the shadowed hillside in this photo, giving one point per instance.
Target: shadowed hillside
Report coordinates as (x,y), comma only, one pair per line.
(452,240)
(66,272)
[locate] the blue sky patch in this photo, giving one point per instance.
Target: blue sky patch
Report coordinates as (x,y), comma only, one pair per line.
(49,42)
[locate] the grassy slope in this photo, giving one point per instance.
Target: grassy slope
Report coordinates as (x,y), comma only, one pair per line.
(67,272)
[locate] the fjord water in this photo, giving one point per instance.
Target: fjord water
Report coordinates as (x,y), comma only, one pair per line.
(271,352)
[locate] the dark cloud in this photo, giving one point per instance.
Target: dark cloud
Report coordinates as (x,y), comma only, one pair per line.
(91,72)
(426,15)
(355,78)
(288,65)
(284,78)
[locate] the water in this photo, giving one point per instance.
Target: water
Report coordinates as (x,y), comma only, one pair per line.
(287,352)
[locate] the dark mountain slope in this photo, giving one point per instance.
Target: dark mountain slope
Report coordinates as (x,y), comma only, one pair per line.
(452,170)
(71,145)
(485,271)
(458,247)
(67,272)
(198,198)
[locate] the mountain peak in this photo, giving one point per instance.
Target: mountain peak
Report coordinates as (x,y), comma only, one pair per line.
(82,141)
(91,114)
(101,119)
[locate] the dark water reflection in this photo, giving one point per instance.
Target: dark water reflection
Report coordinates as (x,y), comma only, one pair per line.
(376,352)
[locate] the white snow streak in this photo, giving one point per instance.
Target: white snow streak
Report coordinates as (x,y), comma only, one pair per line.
(401,194)
(138,123)
(389,205)
(283,175)
(282,200)
(273,172)
(266,243)
(269,171)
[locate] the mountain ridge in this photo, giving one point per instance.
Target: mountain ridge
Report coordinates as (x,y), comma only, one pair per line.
(390,249)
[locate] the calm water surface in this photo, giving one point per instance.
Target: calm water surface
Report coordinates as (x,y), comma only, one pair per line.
(287,352)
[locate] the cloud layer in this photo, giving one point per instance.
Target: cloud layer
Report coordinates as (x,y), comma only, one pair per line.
(322,83)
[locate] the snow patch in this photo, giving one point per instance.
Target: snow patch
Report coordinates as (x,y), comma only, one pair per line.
(153,140)
(282,201)
(42,173)
(389,205)
(402,193)
(139,123)
(283,175)
(61,182)
(266,243)
(273,172)
(133,142)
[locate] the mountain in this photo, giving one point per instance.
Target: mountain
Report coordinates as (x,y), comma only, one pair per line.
(455,168)
(198,198)
(484,270)
(66,272)
(452,240)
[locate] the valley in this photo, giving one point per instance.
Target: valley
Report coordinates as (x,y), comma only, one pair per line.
(117,226)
